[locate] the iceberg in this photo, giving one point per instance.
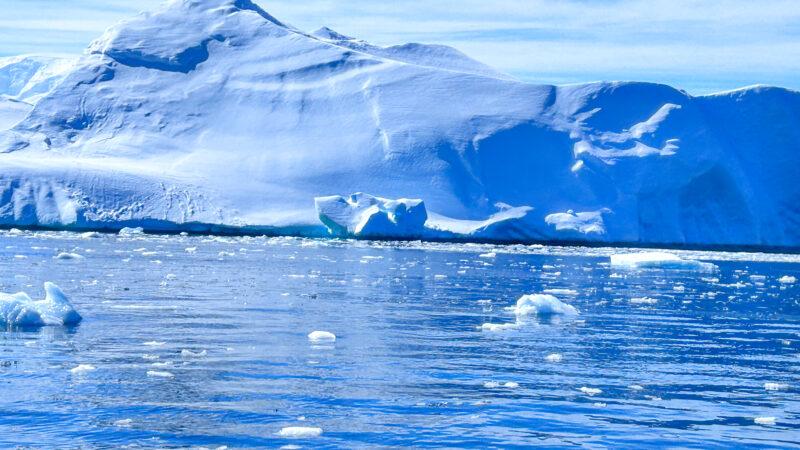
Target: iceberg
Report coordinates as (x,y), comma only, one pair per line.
(19,310)
(542,305)
(658,260)
(215,116)
(363,215)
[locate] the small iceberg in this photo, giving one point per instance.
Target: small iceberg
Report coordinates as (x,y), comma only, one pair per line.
(19,310)
(787,279)
(128,231)
(658,260)
(542,305)
(82,369)
(68,255)
(321,337)
(300,432)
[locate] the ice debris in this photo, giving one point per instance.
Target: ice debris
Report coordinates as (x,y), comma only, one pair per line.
(542,305)
(658,260)
(300,432)
(20,310)
(319,337)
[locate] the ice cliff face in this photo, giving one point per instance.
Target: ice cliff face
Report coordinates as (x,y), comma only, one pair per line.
(212,114)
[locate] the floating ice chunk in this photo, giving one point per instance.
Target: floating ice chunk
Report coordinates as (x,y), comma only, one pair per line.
(191,249)
(20,310)
(300,432)
(487,255)
(190,354)
(775,386)
(591,392)
(90,235)
(643,301)
(495,327)
(319,337)
(128,231)
(496,384)
(554,358)
(82,368)
(658,260)
(542,305)
(68,255)
(157,373)
(787,279)
(764,420)
(153,343)
(123,423)
(636,387)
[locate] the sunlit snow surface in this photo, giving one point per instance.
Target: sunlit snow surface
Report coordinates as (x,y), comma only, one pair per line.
(190,341)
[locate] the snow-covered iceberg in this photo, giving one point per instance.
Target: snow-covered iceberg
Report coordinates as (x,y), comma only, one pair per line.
(19,310)
(213,115)
(658,260)
(364,215)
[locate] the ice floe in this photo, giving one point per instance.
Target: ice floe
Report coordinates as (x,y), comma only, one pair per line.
(159,374)
(20,310)
(658,260)
(300,432)
(542,305)
(590,391)
(764,420)
(68,255)
(82,368)
(554,358)
(321,337)
(787,279)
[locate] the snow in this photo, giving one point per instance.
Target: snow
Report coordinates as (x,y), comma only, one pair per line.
(542,305)
(12,111)
(321,337)
(658,260)
(214,116)
(19,310)
(300,432)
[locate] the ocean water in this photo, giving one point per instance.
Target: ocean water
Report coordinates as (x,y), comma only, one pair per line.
(203,342)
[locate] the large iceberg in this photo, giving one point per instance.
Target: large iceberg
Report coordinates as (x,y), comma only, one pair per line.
(213,115)
(19,310)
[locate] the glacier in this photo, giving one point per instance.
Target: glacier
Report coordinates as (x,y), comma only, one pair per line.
(215,116)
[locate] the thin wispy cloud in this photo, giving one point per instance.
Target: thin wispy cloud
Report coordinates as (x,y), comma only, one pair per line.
(698,46)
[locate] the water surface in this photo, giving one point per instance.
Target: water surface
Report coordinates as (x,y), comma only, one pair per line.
(221,326)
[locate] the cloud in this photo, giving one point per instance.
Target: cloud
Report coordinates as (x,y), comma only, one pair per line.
(699,46)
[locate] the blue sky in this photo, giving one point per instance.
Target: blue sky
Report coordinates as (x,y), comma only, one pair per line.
(700,46)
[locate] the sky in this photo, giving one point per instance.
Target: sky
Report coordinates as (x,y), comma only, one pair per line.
(700,46)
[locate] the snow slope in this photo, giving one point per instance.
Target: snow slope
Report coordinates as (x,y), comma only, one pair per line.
(212,114)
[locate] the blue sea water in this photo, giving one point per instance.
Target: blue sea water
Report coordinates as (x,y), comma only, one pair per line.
(202,342)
